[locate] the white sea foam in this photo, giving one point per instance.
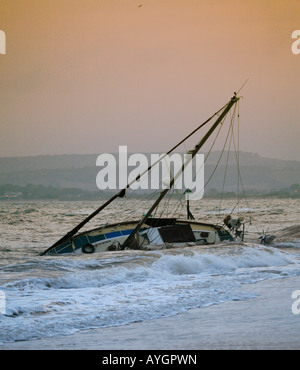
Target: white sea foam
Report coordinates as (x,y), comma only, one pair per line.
(97,295)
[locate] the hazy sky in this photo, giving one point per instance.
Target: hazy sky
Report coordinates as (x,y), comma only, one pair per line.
(85,76)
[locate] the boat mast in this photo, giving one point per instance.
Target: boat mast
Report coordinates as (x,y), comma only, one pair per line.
(130,240)
(122,192)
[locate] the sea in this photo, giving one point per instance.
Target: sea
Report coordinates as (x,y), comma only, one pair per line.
(53,296)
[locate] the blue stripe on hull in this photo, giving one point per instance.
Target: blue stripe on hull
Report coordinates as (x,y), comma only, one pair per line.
(80,241)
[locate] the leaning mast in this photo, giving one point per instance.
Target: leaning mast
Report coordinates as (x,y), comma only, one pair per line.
(130,240)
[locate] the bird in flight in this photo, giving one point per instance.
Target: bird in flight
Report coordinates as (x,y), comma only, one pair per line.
(139,6)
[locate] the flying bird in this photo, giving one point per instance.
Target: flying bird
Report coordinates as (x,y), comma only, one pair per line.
(140,5)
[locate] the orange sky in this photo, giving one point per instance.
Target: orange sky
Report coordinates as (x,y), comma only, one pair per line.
(85,76)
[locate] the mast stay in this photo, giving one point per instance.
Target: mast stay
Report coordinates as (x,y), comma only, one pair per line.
(121,193)
(131,238)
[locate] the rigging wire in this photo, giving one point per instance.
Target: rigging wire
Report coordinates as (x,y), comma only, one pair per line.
(148,170)
(227,158)
(230,135)
(241,181)
(207,156)
(171,150)
(165,208)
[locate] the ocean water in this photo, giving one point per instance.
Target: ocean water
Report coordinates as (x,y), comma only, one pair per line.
(54,296)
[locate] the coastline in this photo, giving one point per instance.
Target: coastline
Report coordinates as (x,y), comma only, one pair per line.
(263,322)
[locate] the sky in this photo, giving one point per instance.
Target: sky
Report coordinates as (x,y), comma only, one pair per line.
(86,76)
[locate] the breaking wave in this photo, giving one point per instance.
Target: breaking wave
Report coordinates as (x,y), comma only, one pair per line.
(134,286)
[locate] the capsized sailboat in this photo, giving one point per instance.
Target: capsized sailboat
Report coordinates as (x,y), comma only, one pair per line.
(149,231)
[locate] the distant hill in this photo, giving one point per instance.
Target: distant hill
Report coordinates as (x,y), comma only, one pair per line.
(80,171)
